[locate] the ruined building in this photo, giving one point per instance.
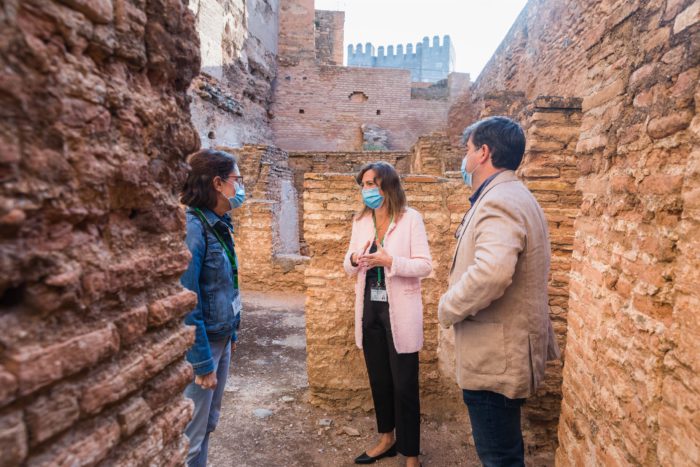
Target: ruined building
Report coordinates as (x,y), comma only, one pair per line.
(427,63)
(101,101)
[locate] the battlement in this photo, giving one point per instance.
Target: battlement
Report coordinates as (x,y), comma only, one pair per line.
(426,62)
(420,47)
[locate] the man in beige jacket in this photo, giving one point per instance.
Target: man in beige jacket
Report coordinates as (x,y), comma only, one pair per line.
(497,297)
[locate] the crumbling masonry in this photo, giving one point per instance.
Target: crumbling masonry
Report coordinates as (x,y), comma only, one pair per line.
(96,100)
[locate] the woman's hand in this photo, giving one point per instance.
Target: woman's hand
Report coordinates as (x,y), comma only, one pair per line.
(380,258)
(355,257)
(207,381)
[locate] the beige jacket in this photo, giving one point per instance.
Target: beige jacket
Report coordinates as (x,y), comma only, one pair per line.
(497,298)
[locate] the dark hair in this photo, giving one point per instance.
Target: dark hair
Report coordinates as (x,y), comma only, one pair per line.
(504,137)
(388,180)
(205,164)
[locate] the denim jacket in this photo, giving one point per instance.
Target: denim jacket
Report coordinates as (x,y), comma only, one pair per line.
(210,276)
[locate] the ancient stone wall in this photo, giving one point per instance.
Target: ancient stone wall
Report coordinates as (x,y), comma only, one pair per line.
(297,40)
(330,201)
(94,129)
(549,170)
(329,30)
(318,107)
(435,155)
(323,108)
(631,310)
(542,54)
(633,323)
(267,225)
(232,96)
(338,162)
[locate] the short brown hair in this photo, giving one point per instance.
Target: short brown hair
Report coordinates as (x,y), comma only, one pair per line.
(205,165)
(388,180)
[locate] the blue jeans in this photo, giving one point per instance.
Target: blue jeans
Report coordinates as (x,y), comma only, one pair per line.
(207,405)
(495,423)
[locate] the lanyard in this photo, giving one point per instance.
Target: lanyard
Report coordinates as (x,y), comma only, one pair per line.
(376,236)
(231,256)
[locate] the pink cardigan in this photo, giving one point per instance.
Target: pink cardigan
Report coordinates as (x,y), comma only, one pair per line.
(407,242)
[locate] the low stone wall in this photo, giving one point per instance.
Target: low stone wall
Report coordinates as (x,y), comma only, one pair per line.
(330,201)
(260,268)
(337,162)
(435,155)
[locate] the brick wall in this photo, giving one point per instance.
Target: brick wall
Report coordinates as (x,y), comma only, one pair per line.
(339,162)
(314,109)
(329,33)
(94,131)
(330,201)
(631,309)
(269,257)
(435,155)
(542,54)
(231,98)
(633,323)
(296,36)
(549,170)
(318,107)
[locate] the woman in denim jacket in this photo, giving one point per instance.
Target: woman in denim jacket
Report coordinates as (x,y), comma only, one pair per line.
(213,187)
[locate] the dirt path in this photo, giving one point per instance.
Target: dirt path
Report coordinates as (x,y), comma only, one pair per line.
(266,420)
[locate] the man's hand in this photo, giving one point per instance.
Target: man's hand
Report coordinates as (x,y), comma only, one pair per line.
(380,258)
(354,258)
(207,381)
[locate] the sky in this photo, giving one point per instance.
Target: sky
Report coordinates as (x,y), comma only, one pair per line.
(476,27)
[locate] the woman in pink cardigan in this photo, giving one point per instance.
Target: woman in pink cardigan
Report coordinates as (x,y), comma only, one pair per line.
(389,254)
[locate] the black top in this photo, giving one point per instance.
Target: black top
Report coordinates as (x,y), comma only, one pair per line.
(372,274)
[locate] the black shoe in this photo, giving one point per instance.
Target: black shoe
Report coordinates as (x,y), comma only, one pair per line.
(364,458)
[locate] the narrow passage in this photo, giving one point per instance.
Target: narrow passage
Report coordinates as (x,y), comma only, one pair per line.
(266,419)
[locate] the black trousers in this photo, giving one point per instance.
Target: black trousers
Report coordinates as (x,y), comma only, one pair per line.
(393,378)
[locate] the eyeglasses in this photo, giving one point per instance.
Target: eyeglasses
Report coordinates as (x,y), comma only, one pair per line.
(236,178)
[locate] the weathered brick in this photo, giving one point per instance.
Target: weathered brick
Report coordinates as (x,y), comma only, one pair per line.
(94,159)
(99,11)
(13,438)
(8,386)
(604,95)
(661,127)
(133,415)
(687,18)
(167,384)
(132,325)
(37,366)
(171,308)
(130,372)
(87,444)
(52,413)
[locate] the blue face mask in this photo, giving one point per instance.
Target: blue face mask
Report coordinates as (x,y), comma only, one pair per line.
(237,200)
(466,176)
(372,198)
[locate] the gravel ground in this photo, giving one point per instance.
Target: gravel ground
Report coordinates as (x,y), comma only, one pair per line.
(267,421)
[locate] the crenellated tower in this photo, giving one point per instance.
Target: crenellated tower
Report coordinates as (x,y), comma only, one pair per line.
(428,63)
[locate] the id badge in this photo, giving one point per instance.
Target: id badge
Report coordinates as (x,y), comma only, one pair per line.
(236,305)
(378,294)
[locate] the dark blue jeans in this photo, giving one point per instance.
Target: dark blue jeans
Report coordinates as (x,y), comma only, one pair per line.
(495,423)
